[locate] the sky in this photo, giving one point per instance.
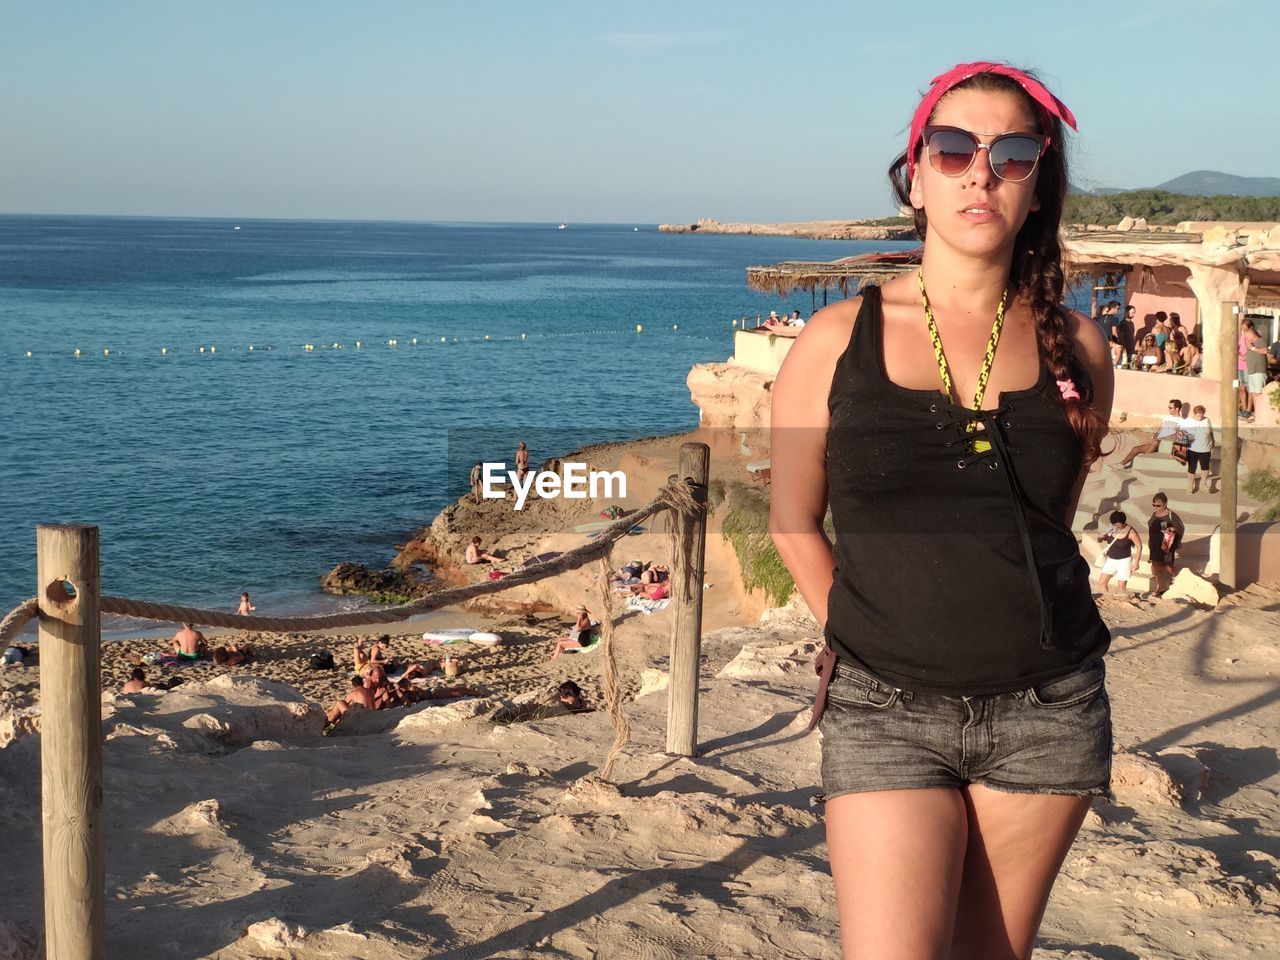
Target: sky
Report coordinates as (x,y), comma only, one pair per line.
(587,112)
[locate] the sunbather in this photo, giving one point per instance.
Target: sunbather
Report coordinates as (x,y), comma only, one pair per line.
(570,697)
(137,682)
(361,695)
(629,571)
(654,591)
(189,644)
(476,553)
(581,635)
(233,656)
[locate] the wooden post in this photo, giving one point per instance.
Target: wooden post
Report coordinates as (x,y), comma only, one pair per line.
(1228,443)
(71,742)
(686,634)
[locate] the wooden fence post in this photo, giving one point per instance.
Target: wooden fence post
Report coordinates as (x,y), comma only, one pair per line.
(686,634)
(71,742)
(1228,444)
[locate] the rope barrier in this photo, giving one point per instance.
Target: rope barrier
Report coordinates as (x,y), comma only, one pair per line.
(674,496)
(612,688)
(677,496)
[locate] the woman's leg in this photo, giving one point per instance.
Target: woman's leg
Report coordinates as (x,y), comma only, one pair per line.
(1104,583)
(896,857)
(1017,843)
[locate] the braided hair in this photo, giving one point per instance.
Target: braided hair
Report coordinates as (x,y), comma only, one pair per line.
(1036,272)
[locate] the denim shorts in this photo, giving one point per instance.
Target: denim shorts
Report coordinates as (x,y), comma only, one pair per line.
(1054,738)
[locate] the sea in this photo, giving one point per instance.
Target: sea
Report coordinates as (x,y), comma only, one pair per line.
(240,405)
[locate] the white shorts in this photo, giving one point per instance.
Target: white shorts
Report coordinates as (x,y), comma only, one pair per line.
(1120,568)
(1257,382)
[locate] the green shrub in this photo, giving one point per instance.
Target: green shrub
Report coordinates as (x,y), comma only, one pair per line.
(1161,207)
(1264,486)
(747,527)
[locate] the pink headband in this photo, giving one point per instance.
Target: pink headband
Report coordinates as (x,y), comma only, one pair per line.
(1050,105)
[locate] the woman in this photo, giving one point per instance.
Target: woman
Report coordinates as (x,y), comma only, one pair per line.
(947,819)
(522,461)
(1160,331)
(1165,531)
(1123,555)
(581,635)
(1149,355)
(245,607)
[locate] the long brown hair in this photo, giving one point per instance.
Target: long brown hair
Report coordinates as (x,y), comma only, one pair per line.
(1036,271)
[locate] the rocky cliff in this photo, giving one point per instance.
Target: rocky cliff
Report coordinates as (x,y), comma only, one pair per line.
(814,229)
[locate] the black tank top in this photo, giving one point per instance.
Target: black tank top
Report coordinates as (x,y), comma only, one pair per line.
(955,569)
(1121,546)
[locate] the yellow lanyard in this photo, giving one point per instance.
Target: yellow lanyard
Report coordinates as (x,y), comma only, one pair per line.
(977,446)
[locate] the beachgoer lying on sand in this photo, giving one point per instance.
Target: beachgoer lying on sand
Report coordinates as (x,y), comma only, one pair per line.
(570,697)
(657,574)
(360,696)
(654,591)
(245,607)
(189,644)
(477,553)
(233,656)
(137,682)
(581,635)
(629,571)
(15,656)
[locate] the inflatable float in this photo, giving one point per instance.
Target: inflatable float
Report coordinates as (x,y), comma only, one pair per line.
(449,635)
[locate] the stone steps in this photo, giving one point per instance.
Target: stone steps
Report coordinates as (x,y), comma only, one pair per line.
(1108,489)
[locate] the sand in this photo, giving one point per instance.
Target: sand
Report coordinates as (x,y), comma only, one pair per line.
(234,830)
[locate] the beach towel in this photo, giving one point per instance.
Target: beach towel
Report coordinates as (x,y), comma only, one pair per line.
(645,605)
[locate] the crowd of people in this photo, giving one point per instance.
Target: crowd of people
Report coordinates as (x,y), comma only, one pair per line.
(1164,347)
(786,325)
(1168,347)
(378,680)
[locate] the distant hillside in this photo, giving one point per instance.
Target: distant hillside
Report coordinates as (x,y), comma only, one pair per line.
(1163,207)
(1212,183)
(1095,192)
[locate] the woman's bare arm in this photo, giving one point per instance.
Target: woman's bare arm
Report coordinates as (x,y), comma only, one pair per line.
(798,448)
(1092,354)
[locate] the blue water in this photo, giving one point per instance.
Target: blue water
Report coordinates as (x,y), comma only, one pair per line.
(211,473)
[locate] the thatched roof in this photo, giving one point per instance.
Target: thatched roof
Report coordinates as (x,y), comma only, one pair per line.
(845,275)
(1087,252)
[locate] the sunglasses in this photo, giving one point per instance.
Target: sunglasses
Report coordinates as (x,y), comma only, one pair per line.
(1013,156)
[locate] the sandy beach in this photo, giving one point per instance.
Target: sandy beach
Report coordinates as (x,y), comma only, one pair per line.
(234,830)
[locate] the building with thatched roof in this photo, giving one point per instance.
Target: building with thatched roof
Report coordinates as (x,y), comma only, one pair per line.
(1212,274)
